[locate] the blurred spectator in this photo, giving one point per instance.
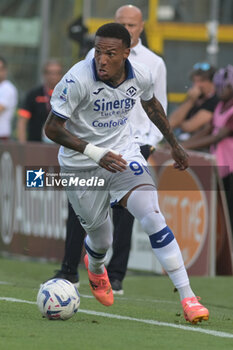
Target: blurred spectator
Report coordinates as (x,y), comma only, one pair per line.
(218,134)
(36,106)
(197,109)
(8,102)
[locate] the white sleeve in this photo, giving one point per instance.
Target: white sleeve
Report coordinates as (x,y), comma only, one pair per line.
(66,96)
(148,90)
(160,84)
(8,97)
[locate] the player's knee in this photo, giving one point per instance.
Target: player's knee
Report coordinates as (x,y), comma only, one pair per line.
(153,222)
(143,205)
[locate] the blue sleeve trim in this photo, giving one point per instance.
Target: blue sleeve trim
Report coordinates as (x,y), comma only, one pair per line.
(59,114)
(113,204)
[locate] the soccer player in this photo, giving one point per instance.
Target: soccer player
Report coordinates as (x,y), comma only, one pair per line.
(89,119)
(147,136)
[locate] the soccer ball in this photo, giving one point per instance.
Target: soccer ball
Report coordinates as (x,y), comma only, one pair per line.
(58,299)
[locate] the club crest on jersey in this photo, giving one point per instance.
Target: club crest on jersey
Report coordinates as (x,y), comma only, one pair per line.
(131,91)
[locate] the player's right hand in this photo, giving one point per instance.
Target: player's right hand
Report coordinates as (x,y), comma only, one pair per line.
(113,162)
(181,158)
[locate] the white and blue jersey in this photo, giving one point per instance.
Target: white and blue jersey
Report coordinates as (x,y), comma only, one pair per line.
(97,112)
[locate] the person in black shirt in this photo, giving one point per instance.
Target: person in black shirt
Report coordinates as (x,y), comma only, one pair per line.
(197,110)
(34,110)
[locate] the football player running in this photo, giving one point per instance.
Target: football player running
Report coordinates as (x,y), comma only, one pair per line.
(89,119)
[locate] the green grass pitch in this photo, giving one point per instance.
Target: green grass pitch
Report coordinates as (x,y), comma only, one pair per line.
(148,316)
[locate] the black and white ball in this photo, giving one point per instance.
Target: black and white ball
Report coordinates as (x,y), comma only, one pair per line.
(58,299)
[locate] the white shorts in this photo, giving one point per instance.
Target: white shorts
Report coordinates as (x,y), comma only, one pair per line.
(91,204)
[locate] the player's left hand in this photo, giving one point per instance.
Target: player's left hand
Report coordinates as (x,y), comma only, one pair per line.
(180,157)
(113,162)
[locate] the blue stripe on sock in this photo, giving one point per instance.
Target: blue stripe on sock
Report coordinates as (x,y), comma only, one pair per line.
(92,253)
(162,238)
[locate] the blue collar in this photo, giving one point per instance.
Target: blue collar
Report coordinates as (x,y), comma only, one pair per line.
(129,72)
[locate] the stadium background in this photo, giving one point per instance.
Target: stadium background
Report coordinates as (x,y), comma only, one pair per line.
(183,32)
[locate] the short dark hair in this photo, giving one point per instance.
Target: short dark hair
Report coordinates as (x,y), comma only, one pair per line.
(114,30)
(3,60)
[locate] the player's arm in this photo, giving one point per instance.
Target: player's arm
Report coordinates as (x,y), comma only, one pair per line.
(106,158)
(156,113)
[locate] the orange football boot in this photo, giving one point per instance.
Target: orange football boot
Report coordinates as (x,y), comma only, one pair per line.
(194,311)
(100,286)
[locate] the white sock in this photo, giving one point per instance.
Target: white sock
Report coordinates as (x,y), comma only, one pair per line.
(185,292)
(95,264)
(143,205)
(171,259)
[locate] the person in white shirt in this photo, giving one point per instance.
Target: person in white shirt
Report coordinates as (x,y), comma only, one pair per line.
(146,136)
(8,102)
(89,119)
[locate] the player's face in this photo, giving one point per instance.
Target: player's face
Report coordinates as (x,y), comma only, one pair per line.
(110,56)
(131,19)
